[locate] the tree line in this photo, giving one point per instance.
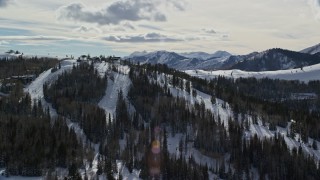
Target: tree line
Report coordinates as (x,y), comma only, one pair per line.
(30,144)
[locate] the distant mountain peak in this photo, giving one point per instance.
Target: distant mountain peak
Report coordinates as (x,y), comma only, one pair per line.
(312,50)
(138,53)
(268,60)
(205,56)
(221,54)
(181,61)
(275,59)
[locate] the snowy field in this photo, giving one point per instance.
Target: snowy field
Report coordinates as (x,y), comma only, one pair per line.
(305,74)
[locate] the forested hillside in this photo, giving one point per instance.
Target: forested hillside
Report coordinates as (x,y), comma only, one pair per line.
(210,136)
(25,66)
(74,96)
(30,141)
(157,123)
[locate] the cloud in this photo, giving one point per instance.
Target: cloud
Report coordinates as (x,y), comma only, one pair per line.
(285,35)
(178,4)
(150,27)
(122,27)
(147,38)
(32,38)
(128,26)
(4,3)
(315,8)
(5,31)
(115,13)
(209,31)
(85,29)
(225,36)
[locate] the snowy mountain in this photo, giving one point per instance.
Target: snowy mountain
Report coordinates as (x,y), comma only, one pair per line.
(170,99)
(228,61)
(306,74)
(161,57)
(183,61)
(198,55)
(205,56)
(138,53)
(269,60)
(275,59)
(220,54)
(312,50)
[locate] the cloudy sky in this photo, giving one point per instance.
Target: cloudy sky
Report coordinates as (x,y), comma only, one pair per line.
(119,27)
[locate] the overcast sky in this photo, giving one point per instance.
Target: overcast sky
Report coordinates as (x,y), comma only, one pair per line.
(119,27)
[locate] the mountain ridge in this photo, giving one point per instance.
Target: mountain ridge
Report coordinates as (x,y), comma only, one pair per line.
(276,59)
(178,61)
(312,50)
(268,60)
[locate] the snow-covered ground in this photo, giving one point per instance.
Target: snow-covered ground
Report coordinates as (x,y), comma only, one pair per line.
(20,178)
(120,81)
(35,89)
(264,132)
(223,110)
(116,81)
(17,177)
(294,142)
(126,175)
(306,74)
(173,148)
(220,108)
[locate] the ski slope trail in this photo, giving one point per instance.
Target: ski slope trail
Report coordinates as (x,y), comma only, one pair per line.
(35,89)
(117,81)
(109,101)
